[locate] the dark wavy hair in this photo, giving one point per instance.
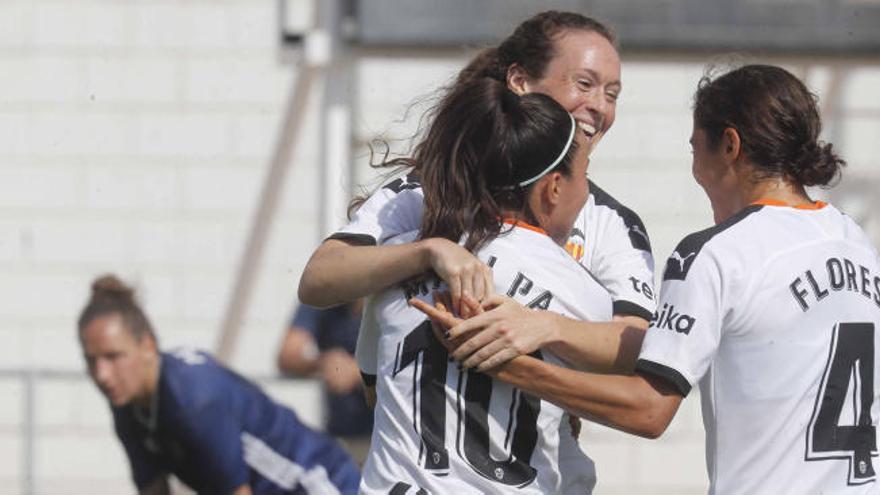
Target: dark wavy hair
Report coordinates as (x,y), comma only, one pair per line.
(777,120)
(111,296)
(483,143)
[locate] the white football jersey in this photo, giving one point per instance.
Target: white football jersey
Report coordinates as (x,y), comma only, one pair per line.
(775,312)
(608,239)
(444,430)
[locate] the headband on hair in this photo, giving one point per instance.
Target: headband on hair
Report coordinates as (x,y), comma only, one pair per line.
(558,158)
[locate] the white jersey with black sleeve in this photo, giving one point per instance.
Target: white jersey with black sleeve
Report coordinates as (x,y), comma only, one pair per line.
(776,313)
(439,429)
(608,239)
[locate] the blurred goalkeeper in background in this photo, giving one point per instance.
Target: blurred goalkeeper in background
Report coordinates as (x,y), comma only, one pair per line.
(184,414)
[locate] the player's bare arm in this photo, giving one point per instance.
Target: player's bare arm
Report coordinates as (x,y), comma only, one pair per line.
(298,354)
(639,404)
(340,272)
(508,330)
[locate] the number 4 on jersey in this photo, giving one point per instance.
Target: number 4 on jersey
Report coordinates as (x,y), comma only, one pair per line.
(846,391)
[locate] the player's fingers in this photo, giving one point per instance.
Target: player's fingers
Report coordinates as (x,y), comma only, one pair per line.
(497,359)
(442,300)
(440,335)
(455,293)
(478,288)
(477,341)
(463,310)
(472,304)
(488,283)
(482,354)
(472,325)
(467,289)
(495,300)
(443,318)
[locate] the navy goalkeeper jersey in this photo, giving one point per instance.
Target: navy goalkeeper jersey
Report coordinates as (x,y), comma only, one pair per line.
(216,431)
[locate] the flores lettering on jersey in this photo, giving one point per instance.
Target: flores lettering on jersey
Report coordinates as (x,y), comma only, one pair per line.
(838,274)
(669,319)
(638,236)
(681,260)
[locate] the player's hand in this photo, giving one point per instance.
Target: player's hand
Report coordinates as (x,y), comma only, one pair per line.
(463,272)
(339,371)
(441,317)
(506,330)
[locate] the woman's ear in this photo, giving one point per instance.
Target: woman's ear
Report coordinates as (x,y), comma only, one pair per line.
(552,188)
(518,80)
(731,145)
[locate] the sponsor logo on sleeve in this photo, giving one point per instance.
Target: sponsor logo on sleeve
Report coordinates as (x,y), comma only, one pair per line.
(642,288)
(670,319)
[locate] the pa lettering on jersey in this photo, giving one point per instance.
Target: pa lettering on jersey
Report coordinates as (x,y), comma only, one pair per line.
(670,319)
(838,274)
(525,287)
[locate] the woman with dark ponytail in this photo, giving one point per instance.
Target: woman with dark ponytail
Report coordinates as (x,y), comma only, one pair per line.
(573,59)
(774,311)
(181,413)
(566,56)
(479,155)
(504,175)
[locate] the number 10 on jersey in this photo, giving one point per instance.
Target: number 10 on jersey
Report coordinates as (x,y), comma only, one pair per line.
(474,391)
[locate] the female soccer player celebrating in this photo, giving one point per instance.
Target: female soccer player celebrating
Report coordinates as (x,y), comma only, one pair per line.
(573,59)
(506,176)
(774,310)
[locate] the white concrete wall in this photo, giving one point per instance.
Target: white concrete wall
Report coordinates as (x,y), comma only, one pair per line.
(134,137)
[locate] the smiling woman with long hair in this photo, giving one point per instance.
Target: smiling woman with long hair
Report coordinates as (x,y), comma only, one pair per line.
(505,176)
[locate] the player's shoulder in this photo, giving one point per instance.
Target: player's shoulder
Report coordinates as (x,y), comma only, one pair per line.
(409,182)
(191,379)
(693,245)
(524,242)
(523,260)
(603,205)
(847,227)
(393,208)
